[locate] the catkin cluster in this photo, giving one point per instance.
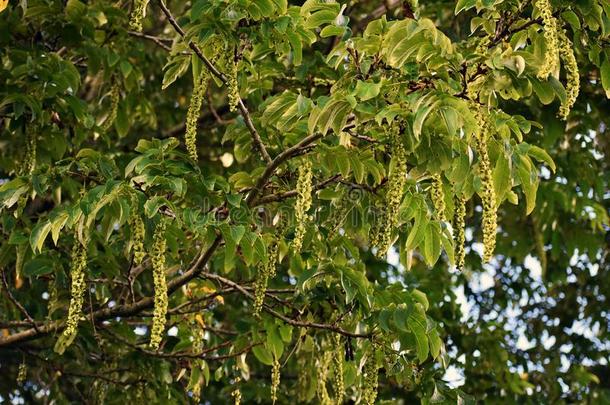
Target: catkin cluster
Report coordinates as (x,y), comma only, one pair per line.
(138,232)
(233,85)
(115,95)
(29,162)
(549,65)
(371,378)
(236,393)
(321,390)
(22,373)
(338,352)
(275,379)
(438,197)
(393,197)
(303,204)
(459,223)
(100,390)
(160,284)
(137,15)
(197,363)
(488,196)
(192,115)
(77,295)
(266,270)
(572,75)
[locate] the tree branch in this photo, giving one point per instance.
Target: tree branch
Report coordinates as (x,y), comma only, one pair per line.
(156,40)
(242,107)
(290,321)
(195,268)
(17,303)
(287,194)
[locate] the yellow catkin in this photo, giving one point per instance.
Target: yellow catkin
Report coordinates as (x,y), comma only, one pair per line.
(236,393)
(160,284)
(371,378)
(100,390)
(393,197)
(233,85)
(570,65)
(303,204)
(137,15)
(28,165)
(197,363)
(438,197)
(77,295)
(22,373)
(275,379)
(321,390)
(192,115)
(339,387)
(488,195)
(138,233)
(266,269)
(549,65)
(459,223)
(115,95)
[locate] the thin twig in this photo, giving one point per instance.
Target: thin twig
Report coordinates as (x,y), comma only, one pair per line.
(12,298)
(159,41)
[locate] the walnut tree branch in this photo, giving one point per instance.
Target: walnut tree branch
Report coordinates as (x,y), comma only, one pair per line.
(242,107)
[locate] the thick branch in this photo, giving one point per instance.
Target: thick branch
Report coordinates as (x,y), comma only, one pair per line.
(120,310)
(194,270)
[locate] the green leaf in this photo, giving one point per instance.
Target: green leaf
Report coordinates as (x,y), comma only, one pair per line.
(263,354)
(432,243)
(502,178)
(332,31)
(463,5)
(401,317)
(420,297)
(38,266)
(332,115)
(436,343)
(151,207)
(274,340)
(417,323)
(529,181)
(418,230)
(176,67)
(11,191)
(321,17)
(366,91)
(39,234)
(542,156)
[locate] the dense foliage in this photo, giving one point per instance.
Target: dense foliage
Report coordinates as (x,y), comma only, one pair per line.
(260,201)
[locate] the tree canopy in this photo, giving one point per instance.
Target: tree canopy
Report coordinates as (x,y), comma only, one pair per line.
(257,201)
